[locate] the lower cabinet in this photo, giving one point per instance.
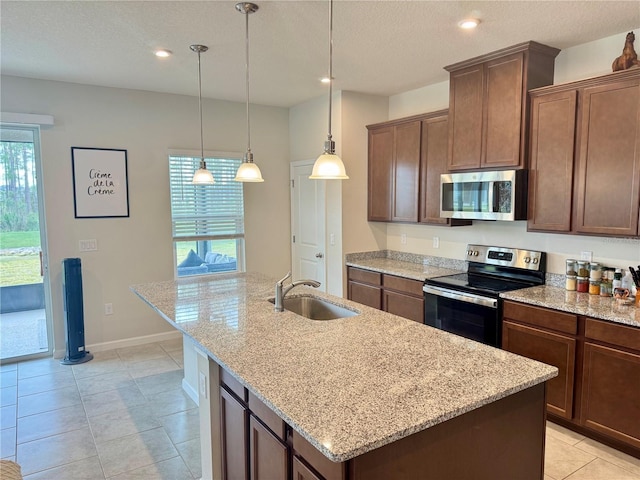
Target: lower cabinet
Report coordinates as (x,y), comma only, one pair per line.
(259,445)
(398,295)
(597,390)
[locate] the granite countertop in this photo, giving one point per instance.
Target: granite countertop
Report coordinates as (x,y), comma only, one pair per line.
(348,385)
(414,271)
(604,308)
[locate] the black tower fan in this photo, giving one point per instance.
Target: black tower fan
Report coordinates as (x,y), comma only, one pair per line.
(73,312)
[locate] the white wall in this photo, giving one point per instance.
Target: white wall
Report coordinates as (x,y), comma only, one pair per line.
(139,249)
(583,61)
(347,199)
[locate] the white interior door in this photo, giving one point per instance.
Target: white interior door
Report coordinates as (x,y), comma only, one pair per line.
(307,224)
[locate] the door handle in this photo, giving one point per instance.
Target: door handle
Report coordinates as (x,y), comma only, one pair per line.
(319,255)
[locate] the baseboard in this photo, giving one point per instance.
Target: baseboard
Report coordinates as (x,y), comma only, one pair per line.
(132,342)
(188,389)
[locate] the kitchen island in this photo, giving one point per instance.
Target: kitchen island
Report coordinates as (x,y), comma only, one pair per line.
(382,396)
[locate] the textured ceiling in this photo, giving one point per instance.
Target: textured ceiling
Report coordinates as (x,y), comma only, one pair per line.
(380,47)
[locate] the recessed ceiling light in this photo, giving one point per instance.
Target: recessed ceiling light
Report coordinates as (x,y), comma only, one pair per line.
(469,23)
(163,53)
(325,79)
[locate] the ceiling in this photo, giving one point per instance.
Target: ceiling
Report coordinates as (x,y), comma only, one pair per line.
(380,47)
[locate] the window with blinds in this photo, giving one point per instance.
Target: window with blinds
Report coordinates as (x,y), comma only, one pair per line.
(207,220)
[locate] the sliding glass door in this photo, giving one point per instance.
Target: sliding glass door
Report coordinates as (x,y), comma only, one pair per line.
(24,326)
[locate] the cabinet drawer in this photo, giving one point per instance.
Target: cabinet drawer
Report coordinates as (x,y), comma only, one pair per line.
(267,416)
(325,467)
(404,285)
(541,317)
(233,385)
(365,276)
(613,333)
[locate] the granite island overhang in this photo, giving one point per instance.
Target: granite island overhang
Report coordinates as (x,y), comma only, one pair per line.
(348,386)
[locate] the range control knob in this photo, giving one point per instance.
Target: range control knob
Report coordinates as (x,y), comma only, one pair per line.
(535,260)
(476,253)
(469,253)
(527,259)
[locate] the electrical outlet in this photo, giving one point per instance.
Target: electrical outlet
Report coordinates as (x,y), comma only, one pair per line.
(202,385)
(332,239)
(108,308)
(586,256)
(88,245)
(436,242)
(403,239)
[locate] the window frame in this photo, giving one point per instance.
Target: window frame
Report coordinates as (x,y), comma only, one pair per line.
(238,237)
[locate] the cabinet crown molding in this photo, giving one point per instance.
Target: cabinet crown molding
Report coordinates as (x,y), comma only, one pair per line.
(622,75)
(529,46)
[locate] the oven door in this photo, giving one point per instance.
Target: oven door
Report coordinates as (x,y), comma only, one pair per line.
(465,314)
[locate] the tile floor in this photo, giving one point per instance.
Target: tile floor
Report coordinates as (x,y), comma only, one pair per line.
(123,415)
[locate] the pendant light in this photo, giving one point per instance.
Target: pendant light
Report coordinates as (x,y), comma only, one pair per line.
(248,171)
(329,166)
(202,176)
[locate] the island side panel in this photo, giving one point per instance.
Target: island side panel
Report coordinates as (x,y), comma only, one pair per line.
(504,439)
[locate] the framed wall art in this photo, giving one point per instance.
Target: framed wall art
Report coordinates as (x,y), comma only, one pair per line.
(100,187)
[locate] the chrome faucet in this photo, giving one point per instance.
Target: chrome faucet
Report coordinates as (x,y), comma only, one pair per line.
(281,291)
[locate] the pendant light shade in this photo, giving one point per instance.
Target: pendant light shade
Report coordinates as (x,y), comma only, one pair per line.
(329,166)
(202,176)
(248,171)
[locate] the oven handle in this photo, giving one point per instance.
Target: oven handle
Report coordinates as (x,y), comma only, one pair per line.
(461,296)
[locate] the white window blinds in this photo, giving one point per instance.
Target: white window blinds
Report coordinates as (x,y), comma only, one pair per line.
(206,211)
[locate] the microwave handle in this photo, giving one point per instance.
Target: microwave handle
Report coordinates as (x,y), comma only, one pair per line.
(494,197)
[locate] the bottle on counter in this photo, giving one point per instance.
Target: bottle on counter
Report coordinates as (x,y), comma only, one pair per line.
(595,271)
(617,279)
(594,287)
(583,268)
(571,268)
(570,283)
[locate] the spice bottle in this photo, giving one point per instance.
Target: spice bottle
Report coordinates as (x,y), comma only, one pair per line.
(582,284)
(594,287)
(583,269)
(570,282)
(595,271)
(617,278)
(571,267)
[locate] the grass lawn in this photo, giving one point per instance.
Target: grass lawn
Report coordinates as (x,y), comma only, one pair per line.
(19,269)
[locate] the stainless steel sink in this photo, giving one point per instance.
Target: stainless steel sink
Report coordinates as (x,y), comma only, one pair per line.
(315,308)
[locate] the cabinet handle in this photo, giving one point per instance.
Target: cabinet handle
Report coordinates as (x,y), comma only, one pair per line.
(319,255)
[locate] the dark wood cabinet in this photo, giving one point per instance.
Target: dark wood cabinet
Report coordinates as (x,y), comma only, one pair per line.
(488,105)
(394,163)
(597,391)
(610,402)
(585,156)
(364,286)
(549,337)
(302,472)
(406,158)
(269,456)
(380,186)
(608,179)
(553,119)
(403,297)
(393,294)
(234,427)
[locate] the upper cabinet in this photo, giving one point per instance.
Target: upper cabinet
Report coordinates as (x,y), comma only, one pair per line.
(585,156)
(488,105)
(406,158)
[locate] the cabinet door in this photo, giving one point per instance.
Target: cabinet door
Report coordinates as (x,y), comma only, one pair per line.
(234,427)
(365,294)
(433,163)
(404,305)
(302,472)
(553,120)
(502,113)
(611,393)
(406,168)
(269,456)
(380,187)
(608,187)
(465,118)
(553,349)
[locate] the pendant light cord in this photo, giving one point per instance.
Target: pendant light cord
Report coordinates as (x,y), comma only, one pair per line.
(330,64)
(200,108)
(247,81)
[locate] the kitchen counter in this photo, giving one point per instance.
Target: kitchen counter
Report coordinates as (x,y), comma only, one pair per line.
(604,308)
(414,271)
(349,385)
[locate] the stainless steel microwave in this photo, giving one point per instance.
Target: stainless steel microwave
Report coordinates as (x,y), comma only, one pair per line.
(490,195)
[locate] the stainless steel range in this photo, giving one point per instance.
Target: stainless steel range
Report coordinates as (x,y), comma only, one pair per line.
(468,304)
